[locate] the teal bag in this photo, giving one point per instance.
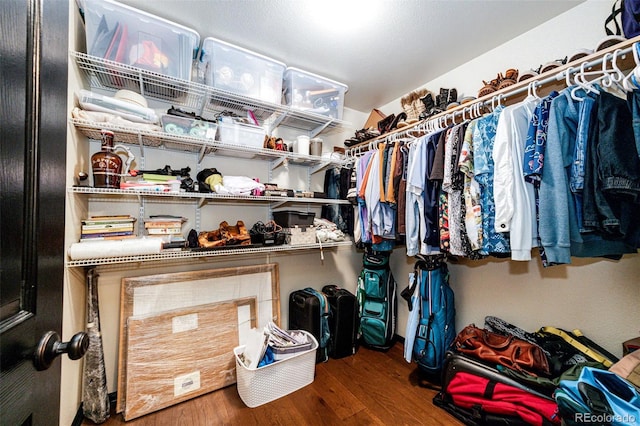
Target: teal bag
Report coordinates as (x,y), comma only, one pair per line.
(598,397)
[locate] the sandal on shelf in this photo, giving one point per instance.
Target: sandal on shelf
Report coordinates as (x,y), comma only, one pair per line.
(510,78)
(489,87)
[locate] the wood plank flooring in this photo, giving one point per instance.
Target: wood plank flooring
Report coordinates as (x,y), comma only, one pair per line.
(369,388)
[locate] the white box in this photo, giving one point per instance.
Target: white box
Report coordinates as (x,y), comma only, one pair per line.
(257,386)
(133,37)
(313,93)
(242,71)
(241,134)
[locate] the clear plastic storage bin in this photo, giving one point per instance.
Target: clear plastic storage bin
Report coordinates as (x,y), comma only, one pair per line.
(133,37)
(241,71)
(183,126)
(313,93)
(241,134)
(257,386)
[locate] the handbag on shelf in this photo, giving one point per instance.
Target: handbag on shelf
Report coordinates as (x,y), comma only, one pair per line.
(504,350)
(269,233)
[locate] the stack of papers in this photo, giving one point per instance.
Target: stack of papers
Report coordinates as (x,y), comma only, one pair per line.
(282,345)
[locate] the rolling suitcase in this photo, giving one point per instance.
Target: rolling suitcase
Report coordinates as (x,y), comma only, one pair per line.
(478,395)
(343,321)
(309,311)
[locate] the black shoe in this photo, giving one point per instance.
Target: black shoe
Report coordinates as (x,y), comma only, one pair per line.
(428,102)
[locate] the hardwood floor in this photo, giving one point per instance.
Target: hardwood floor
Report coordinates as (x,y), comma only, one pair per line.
(369,388)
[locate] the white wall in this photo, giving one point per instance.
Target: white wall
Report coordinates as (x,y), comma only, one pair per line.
(599,297)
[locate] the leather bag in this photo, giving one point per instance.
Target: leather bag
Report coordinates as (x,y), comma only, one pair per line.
(500,349)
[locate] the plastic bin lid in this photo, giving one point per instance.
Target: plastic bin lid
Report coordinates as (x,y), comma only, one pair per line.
(319,77)
(113,5)
(242,49)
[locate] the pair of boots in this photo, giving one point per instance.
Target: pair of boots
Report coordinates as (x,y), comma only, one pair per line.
(433,107)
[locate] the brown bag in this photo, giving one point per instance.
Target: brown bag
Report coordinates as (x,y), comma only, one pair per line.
(505,350)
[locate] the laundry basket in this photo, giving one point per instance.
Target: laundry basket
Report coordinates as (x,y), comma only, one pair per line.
(257,386)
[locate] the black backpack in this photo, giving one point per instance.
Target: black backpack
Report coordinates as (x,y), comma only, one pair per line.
(378,306)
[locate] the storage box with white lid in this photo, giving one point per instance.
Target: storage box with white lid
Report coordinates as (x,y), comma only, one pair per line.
(242,71)
(133,37)
(236,133)
(313,93)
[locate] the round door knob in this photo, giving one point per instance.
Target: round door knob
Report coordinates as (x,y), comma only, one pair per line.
(50,347)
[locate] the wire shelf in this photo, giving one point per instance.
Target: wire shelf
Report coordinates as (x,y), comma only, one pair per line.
(187,254)
(199,98)
(133,136)
(108,193)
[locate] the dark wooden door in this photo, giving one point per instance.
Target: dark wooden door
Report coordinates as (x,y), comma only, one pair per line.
(33,96)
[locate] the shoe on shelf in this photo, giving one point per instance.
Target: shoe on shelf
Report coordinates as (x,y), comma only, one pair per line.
(428,102)
(361,136)
(579,54)
(400,117)
(490,87)
(384,125)
(446,97)
(527,75)
(552,65)
(510,78)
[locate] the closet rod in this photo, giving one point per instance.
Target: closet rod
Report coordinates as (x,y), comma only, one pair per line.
(460,110)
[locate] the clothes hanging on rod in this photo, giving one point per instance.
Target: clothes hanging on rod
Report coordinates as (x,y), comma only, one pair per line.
(516,178)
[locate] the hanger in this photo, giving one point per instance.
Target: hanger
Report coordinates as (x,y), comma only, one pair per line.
(567,76)
(494,98)
(630,80)
(580,82)
(532,90)
(615,75)
(452,116)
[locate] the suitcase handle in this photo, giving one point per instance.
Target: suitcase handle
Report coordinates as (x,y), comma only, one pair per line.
(299,300)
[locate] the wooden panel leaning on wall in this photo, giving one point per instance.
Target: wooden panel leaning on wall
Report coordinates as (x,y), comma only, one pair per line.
(371,387)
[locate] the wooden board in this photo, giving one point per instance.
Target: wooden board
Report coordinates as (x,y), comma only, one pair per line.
(178,355)
(154,294)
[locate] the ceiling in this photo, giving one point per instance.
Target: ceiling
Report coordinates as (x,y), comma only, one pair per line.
(381,49)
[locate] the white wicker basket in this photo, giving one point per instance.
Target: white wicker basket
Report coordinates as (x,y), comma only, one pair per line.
(258,386)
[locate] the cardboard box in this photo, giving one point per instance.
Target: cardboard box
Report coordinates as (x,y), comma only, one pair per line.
(375,116)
